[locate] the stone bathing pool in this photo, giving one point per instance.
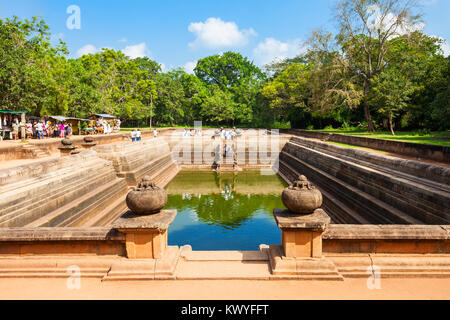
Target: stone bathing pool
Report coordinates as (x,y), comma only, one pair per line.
(224,211)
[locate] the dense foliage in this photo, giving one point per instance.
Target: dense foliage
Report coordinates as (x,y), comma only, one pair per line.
(362,76)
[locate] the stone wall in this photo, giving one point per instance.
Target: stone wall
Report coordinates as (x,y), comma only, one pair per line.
(417,150)
(67,191)
(133,161)
(360,187)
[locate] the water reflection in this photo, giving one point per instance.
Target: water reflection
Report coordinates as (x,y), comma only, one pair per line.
(224,211)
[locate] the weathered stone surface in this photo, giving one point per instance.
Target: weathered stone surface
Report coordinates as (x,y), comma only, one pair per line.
(386,232)
(160,221)
(59,234)
(146,198)
(302,197)
(285,219)
(358,190)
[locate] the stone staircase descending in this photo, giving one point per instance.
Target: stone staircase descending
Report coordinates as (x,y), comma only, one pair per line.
(360,187)
(77,191)
(35,151)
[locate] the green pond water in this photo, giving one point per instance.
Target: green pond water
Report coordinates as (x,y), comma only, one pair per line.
(226,211)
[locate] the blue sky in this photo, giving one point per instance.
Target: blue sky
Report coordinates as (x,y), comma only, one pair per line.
(176,33)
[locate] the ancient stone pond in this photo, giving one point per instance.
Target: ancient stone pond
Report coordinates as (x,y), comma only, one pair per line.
(224,211)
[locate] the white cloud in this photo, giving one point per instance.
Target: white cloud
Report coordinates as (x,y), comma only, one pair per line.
(87,49)
(272,49)
(123,40)
(190,66)
(215,33)
(445,46)
(377,22)
(163,67)
(137,51)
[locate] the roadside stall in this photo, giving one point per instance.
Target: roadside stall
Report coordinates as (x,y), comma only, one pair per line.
(75,123)
(106,123)
(12,123)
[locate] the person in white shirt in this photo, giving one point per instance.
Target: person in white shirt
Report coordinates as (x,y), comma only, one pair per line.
(40,130)
(155,133)
(138,135)
(133,136)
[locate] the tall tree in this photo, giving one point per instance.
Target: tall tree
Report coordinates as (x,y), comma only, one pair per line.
(368,29)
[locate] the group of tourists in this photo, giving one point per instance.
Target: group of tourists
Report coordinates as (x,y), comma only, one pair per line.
(228,134)
(15,124)
(40,129)
(191,133)
(48,129)
(136,135)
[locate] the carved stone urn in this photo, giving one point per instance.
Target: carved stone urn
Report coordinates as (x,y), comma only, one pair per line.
(302,197)
(146,198)
(66,147)
(88,139)
(66,142)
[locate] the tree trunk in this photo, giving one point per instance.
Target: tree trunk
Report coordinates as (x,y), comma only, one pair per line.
(370,125)
(390,125)
(151,109)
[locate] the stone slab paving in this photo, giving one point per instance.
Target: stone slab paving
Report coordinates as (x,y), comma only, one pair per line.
(225,289)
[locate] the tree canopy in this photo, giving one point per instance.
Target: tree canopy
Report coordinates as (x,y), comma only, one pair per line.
(378,70)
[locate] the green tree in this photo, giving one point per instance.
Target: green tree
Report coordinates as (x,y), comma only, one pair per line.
(368,31)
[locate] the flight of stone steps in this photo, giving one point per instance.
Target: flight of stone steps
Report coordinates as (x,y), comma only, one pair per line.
(35,151)
(361,187)
(77,190)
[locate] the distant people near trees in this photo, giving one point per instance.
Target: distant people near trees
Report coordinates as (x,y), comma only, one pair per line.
(133,135)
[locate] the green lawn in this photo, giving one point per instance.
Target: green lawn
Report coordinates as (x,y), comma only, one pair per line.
(441,138)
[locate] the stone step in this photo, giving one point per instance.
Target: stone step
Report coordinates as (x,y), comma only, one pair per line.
(424,204)
(64,191)
(432,175)
(67,184)
(101,205)
(339,211)
(22,218)
(109,214)
(65,214)
(366,205)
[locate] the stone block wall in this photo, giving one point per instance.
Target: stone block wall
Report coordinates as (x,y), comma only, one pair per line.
(360,187)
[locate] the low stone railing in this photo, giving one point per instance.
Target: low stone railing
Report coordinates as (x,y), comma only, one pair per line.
(419,150)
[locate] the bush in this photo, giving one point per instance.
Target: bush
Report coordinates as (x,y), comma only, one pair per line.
(423,132)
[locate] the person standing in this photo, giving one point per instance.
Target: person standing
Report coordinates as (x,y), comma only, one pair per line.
(155,133)
(138,135)
(15,131)
(40,130)
(69,130)
(133,135)
(61,130)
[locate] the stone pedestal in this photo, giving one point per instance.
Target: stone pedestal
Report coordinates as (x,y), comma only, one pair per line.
(148,256)
(300,253)
(146,236)
(66,150)
(301,235)
(88,145)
